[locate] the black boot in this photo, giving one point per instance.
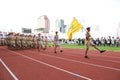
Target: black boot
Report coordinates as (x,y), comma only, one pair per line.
(102,51)
(86,57)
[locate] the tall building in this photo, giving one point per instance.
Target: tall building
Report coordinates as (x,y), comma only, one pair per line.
(59,26)
(43,24)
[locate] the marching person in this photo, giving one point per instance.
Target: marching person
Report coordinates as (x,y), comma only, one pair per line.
(56,42)
(34,41)
(11,41)
(18,41)
(40,42)
(46,42)
(89,41)
(23,41)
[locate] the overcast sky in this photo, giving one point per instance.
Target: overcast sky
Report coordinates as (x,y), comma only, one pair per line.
(103,16)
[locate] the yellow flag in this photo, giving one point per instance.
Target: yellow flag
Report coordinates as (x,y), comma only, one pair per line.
(75,26)
(70,36)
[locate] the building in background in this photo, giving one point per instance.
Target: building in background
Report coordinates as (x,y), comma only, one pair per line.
(26,30)
(43,24)
(59,26)
(65,29)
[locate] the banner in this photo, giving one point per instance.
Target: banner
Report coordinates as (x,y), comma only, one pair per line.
(75,26)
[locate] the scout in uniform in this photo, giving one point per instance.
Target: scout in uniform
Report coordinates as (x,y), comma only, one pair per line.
(40,42)
(18,41)
(34,41)
(56,42)
(89,41)
(11,40)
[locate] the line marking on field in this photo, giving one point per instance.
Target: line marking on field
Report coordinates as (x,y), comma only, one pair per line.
(69,72)
(101,56)
(98,59)
(11,73)
(115,61)
(96,65)
(102,53)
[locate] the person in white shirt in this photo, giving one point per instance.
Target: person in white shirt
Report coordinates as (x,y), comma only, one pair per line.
(56,42)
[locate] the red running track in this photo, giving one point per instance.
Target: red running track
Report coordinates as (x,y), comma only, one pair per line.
(69,65)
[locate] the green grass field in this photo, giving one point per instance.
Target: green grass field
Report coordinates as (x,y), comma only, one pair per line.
(83,47)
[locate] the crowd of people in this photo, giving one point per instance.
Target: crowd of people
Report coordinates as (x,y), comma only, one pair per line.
(21,41)
(16,41)
(30,41)
(103,41)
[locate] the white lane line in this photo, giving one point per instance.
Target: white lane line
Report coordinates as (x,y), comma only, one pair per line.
(96,65)
(100,56)
(110,56)
(115,61)
(97,59)
(11,73)
(69,72)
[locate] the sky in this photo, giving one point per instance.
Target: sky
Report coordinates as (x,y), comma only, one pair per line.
(103,16)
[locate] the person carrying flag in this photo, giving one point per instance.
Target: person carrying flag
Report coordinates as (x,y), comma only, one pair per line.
(89,41)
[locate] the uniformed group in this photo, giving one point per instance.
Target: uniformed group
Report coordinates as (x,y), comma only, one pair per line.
(21,41)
